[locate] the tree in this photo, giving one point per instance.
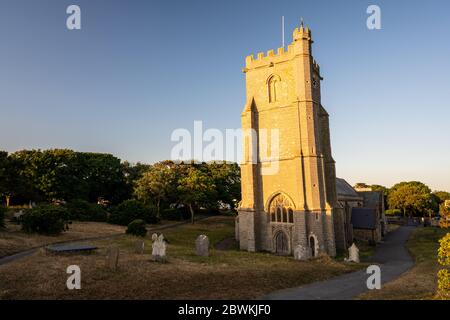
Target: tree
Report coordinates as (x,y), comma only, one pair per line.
(227,179)
(195,189)
(445,215)
(156,184)
(11,182)
(412,197)
(104,176)
(441,196)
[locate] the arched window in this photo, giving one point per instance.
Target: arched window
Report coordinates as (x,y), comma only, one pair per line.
(291,215)
(274,83)
(278,214)
(280,210)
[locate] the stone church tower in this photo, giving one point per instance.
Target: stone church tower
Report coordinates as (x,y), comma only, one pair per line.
(288,184)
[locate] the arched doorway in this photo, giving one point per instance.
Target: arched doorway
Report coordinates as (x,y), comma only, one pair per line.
(281,243)
(312,245)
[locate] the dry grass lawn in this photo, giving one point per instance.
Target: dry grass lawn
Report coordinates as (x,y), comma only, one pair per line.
(13,240)
(421,281)
(227,274)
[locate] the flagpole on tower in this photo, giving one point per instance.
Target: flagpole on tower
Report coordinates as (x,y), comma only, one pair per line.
(282,31)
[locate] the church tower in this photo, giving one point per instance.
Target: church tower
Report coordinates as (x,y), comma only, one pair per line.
(288,173)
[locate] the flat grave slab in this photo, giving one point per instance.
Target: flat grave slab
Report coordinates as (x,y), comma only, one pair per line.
(70,248)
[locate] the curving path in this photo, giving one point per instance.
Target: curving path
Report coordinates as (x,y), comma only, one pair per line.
(392,256)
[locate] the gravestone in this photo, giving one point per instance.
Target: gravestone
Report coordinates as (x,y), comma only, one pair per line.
(353,254)
(202,245)
(18,215)
(302,253)
(112,258)
(158,248)
(140,246)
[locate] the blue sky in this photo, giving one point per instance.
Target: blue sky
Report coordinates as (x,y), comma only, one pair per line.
(140,69)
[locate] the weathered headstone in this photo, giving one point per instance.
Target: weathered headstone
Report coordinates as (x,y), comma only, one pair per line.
(112,258)
(158,248)
(140,246)
(202,245)
(353,254)
(302,252)
(18,215)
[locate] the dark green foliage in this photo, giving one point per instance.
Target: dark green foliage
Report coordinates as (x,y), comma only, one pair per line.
(2,216)
(175,214)
(130,210)
(62,174)
(45,219)
(393,212)
(81,210)
(137,228)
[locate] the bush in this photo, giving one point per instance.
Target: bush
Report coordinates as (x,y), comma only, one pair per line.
(444,260)
(130,210)
(45,219)
(393,212)
(81,210)
(175,214)
(137,228)
(2,216)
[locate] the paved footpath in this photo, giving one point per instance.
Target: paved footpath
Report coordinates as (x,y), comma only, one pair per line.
(391,255)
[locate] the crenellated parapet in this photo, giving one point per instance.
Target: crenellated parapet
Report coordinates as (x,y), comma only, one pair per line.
(301,44)
(263,60)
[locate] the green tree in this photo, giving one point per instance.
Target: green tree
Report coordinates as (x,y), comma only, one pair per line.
(195,189)
(227,180)
(445,215)
(441,196)
(411,197)
(104,176)
(11,181)
(156,184)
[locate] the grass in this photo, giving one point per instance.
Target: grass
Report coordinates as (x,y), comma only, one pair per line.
(421,281)
(13,240)
(226,274)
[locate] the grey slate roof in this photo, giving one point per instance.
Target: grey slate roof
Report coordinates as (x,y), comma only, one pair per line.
(372,199)
(364,218)
(345,191)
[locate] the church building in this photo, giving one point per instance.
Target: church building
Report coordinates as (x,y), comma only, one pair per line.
(293,206)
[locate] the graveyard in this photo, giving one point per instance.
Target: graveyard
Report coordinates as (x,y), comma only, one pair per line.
(226,273)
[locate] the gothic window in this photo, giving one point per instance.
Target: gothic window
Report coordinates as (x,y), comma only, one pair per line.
(291,215)
(274,86)
(278,214)
(280,210)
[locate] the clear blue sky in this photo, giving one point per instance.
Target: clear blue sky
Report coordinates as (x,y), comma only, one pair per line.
(140,69)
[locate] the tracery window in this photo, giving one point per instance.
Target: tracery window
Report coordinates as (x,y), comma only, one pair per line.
(280,210)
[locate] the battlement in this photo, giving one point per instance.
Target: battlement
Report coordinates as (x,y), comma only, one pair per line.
(271,57)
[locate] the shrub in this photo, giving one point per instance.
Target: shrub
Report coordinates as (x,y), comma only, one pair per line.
(175,214)
(393,212)
(45,219)
(2,216)
(444,260)
(81,210)
(130,210)
(137,228)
